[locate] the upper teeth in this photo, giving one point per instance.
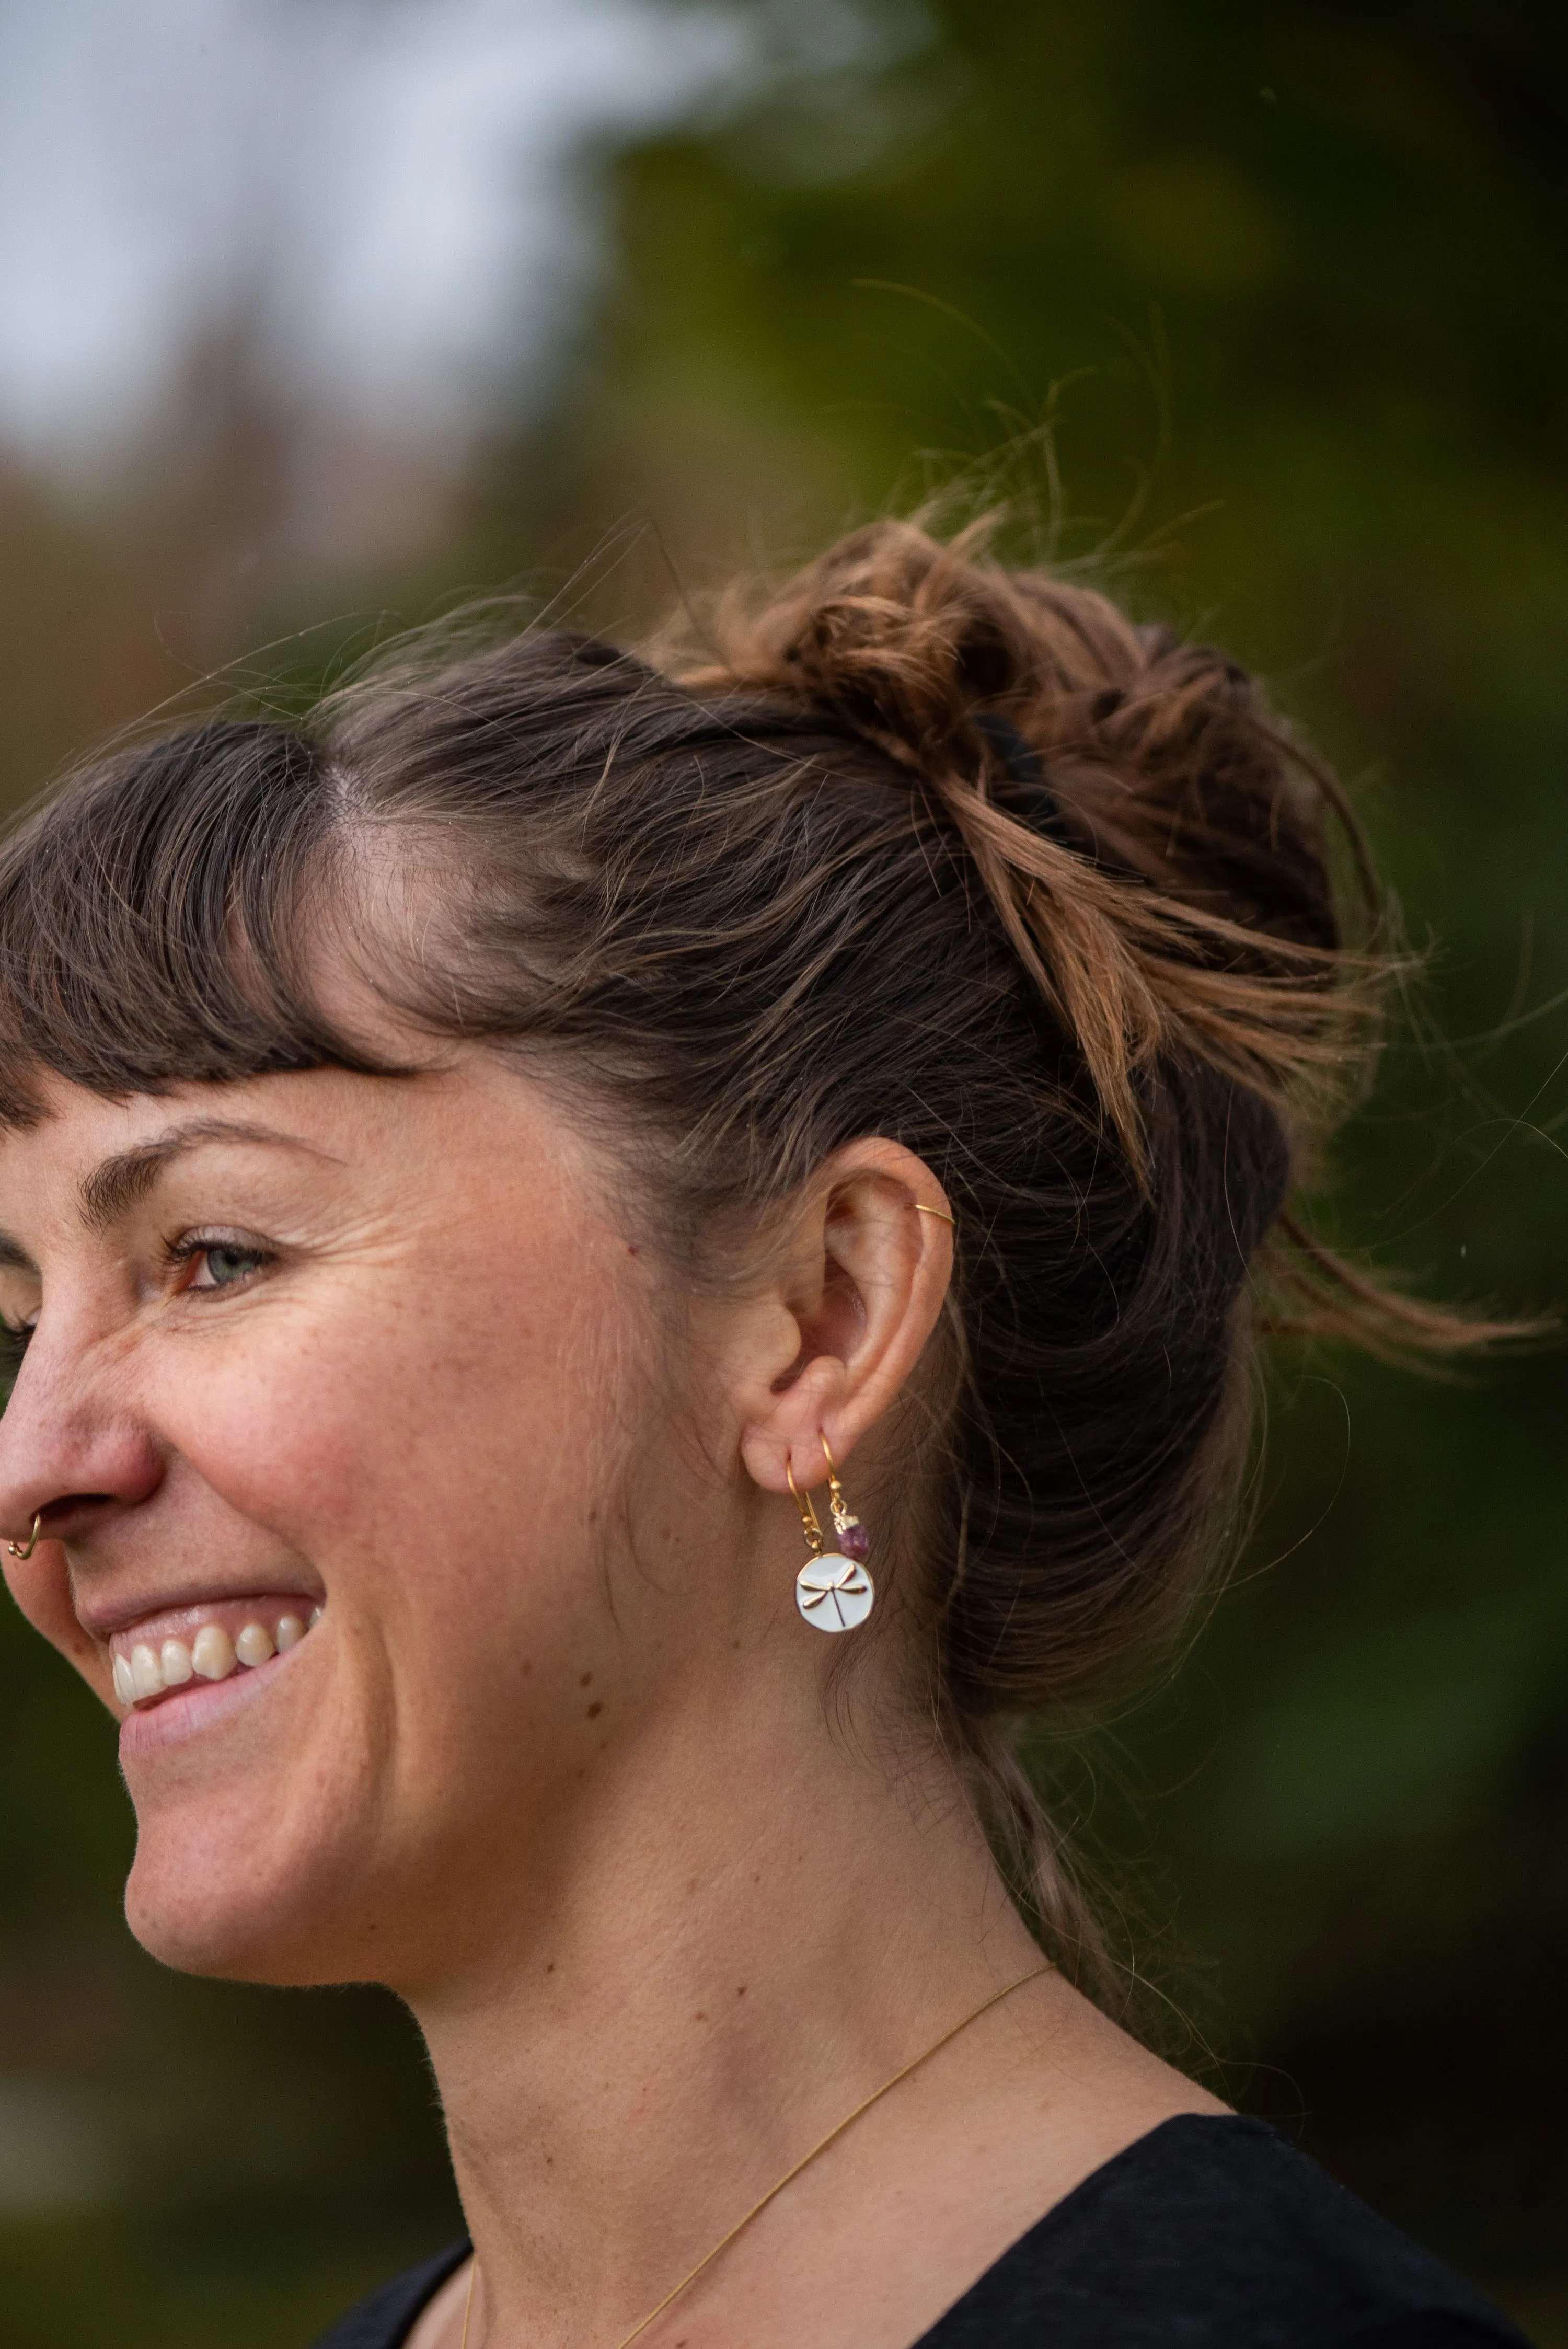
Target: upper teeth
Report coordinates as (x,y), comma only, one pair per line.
(211,1655)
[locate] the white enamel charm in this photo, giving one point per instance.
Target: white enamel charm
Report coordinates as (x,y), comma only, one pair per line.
(834,1593)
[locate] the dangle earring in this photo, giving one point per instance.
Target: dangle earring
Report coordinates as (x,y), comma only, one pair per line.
(833,1590)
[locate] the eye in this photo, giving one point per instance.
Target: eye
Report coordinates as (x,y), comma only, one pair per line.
(219,1261)
(226,1263)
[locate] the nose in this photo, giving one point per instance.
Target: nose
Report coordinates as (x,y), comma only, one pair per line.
(73,1450)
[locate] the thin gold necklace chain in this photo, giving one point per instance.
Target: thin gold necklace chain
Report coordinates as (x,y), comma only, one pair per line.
(805,2162)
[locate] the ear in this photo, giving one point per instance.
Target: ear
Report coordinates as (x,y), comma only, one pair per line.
(861,1277)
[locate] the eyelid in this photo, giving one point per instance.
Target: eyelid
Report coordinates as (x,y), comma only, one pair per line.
(202,1237)
(191,1246)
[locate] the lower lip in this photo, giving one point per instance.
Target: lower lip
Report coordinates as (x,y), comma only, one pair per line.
(185,1712)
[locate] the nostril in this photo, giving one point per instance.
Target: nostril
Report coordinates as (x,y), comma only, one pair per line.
(69,1511)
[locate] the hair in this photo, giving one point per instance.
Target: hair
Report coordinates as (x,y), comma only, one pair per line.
(923,848)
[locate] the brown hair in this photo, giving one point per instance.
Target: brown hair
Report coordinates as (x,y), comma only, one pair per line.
(925,849)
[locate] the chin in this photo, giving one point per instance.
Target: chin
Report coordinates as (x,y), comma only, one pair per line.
(248,1890)
(201,1906)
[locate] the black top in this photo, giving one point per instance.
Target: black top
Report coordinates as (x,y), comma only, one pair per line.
(1208,2233)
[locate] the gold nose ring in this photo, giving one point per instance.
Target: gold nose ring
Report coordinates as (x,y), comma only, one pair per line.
(26,1549)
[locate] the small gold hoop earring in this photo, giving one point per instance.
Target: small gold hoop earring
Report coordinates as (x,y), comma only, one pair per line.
(833,1590)
(21,1550)
(940,1212)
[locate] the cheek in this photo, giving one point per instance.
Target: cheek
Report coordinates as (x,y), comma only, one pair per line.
(454,1498)
(444,1462)
(385,1408)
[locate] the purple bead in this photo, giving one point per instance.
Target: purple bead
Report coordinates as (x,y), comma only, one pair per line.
(854,1541)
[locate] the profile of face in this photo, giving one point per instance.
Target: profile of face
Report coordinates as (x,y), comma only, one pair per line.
(319,1347)
(445,1176)
(380,1361)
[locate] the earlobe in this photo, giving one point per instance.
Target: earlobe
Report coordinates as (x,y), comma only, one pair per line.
(783,1439)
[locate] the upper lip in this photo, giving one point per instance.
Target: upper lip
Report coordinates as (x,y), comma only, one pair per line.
(102,1618)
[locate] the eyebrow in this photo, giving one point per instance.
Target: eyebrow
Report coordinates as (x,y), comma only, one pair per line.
(121,1182)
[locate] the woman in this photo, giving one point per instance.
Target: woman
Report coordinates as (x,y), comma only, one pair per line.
(616,1272)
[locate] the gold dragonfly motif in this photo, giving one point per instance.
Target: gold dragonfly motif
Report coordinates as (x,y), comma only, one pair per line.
(833,1580)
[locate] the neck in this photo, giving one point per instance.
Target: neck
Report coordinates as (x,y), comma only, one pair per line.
(744,1951)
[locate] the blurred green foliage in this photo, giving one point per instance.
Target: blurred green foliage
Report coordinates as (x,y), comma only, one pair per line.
(1286,285)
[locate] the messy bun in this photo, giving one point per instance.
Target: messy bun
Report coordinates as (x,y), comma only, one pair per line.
(1180,906)
(921,848)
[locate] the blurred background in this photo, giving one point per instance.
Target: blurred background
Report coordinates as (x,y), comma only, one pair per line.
(315,315)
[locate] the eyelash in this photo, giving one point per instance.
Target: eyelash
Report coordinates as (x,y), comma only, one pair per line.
(194,1245)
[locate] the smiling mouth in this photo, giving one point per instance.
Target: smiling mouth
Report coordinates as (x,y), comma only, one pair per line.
(153,1658)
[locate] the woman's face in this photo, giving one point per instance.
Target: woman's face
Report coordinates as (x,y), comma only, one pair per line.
(373,1346)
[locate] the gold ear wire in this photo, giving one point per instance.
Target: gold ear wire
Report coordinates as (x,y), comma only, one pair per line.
(811,1524)
(835,1490)
(854,1542)
(940,1212)
(21,1550)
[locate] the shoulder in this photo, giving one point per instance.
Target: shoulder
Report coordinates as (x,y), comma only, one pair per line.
(386,2319)
(1217,2231)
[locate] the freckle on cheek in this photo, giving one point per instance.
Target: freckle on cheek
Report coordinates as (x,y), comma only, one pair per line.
(594,1710)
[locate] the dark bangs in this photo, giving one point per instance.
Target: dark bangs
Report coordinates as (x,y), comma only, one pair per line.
(153,919)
